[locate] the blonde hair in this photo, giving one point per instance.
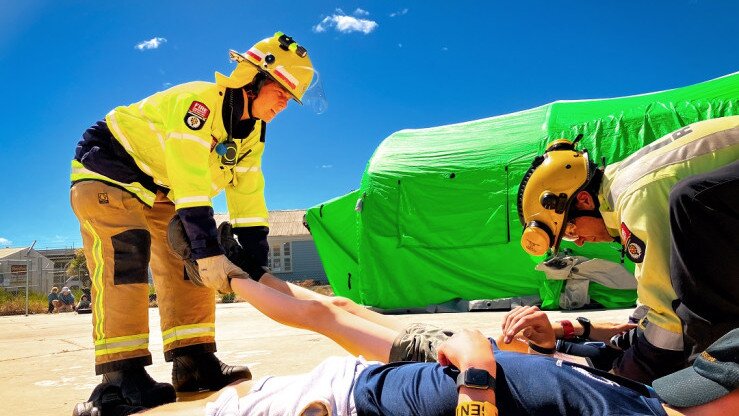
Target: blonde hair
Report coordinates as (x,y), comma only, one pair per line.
(54,289)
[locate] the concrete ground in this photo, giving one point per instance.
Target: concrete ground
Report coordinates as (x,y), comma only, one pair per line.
(46,361)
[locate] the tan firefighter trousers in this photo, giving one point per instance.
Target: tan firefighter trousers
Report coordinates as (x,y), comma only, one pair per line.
(122,237)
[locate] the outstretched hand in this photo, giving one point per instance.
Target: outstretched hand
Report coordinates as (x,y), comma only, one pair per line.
(465,349)
(533,325)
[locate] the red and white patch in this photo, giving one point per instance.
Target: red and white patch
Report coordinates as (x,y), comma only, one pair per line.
(635,247)
(625,233)
(199,109)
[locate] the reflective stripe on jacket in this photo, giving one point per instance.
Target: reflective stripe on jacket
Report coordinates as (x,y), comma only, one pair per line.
(634,199)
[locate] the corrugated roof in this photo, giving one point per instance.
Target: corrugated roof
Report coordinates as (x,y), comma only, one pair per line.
(5,252)
(282,223)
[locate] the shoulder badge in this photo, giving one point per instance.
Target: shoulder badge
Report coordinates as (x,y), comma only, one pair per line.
(196,115)
(633,245)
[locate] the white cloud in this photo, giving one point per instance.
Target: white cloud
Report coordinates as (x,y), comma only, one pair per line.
(345,24)
(152,43)
(58,239)
(399,13)
(5,242)
(361,12)
(326,166)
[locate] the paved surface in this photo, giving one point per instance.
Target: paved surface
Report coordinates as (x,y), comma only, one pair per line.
(46,361)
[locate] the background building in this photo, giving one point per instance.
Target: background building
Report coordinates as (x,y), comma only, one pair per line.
(61,257)
(292,254)
(17,264)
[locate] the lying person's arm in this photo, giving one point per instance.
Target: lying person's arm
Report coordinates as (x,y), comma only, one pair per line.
(471,353)
(346,304)
(356,334)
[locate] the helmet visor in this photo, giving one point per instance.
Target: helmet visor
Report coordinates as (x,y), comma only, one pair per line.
(315,97)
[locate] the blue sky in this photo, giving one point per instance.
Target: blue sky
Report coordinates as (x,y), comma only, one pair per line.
(385,66)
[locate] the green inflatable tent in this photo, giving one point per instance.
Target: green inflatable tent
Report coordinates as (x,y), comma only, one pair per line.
(435,218)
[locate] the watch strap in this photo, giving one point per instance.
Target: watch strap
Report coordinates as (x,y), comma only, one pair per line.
(476,408)
(585,322)
(541,350)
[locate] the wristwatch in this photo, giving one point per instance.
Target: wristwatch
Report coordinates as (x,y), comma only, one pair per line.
(585,322)
(476,378)
(568,330)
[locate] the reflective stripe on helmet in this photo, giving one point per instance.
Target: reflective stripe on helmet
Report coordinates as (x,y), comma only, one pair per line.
(282,73)
(255,54)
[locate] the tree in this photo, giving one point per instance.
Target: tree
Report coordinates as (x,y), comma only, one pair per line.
(77,267)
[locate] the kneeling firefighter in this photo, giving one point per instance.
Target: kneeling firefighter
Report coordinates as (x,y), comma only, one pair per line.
(168,155)
(673,207)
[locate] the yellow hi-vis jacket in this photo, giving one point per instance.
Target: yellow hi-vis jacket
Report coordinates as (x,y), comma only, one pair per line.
(634,202)
(172,136)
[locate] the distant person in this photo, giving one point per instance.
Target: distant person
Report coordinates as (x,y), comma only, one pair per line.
(165,156)
(51,297)
(83,307)
(674,206)
(65,301)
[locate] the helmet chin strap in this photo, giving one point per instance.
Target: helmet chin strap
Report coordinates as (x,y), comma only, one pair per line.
(250,98)
(576,212)
(252,90)
(593,213)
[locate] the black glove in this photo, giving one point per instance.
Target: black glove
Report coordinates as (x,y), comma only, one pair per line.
(252,261)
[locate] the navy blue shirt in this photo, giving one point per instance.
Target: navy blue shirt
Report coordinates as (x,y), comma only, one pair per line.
(526,385)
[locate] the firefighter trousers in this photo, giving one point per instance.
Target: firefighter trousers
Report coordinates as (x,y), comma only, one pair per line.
(122,239)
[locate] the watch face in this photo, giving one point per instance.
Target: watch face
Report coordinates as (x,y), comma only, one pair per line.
(476,377)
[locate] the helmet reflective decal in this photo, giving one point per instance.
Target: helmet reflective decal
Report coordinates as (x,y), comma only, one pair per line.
(291,81)
(255,54)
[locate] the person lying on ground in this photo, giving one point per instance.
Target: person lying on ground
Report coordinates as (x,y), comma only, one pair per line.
(355,328)
(475,374)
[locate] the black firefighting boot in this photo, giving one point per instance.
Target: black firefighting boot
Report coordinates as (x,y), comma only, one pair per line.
(106,400)
(205,372)
(139,389)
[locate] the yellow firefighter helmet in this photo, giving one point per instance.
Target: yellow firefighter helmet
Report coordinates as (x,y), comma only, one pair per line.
(280,57)
(547,192)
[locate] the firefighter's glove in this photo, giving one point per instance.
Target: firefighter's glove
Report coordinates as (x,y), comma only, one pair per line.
(216,273)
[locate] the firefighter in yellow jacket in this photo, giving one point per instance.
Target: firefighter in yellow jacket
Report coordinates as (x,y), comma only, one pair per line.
(674,207)
(168,155)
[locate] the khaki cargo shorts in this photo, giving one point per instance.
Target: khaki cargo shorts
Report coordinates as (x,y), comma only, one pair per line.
(418,342)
